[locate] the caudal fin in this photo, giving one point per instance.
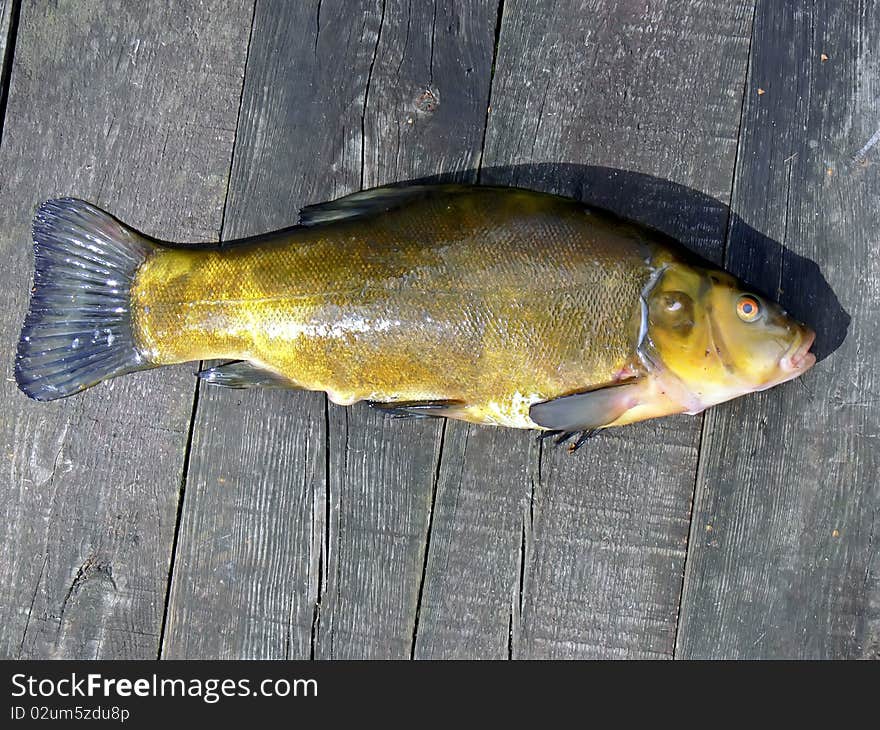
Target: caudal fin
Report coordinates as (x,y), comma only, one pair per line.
(78,329)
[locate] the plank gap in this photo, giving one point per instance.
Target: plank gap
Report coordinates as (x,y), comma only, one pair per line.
(367,92)
(181,494)
(725,244)
(427,539)
(8,54)
(491,85)
(698,472)
(247,54)
(323,556)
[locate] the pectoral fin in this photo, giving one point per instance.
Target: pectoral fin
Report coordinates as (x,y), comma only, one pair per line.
(586,411)
(242,374)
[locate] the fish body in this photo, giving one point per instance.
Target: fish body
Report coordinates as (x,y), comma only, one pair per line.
(493,305)
(491,298)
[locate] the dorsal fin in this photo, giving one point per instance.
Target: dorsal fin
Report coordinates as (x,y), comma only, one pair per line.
(371,202)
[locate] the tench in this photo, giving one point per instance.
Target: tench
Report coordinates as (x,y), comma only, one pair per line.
(492,305)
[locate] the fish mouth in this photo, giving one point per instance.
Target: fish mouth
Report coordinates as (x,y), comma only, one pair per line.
(799,359)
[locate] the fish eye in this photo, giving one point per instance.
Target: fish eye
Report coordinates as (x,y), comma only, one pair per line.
(672,302)
(748,308)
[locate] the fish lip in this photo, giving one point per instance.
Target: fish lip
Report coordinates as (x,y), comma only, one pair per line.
(799,359)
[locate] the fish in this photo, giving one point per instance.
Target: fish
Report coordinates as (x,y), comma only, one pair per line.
(492,305)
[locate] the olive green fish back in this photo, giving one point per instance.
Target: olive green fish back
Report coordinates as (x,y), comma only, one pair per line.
(471,294)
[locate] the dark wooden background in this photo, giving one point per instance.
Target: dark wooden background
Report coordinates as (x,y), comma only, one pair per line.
(151,517)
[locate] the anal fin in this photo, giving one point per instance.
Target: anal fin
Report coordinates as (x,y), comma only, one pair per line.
(243,374)
(420,409)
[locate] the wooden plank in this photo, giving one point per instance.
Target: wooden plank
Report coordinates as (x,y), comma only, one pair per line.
(315,546)
(138,116)
(425,115)
(472,575)
(252,525)
(583,556)
(784,559)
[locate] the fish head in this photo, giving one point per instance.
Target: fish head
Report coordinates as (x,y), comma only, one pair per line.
(718,339)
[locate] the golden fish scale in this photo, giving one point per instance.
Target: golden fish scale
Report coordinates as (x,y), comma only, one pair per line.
(495,298)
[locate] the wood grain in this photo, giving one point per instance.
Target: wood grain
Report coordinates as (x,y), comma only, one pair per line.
(137,116)
(784,558)
(316,547)
(583,556)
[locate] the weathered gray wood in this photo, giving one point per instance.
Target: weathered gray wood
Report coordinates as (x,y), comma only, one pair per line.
(472,576)
(599,538)
(137,114)
(6,9)
(784,558)
(327,507)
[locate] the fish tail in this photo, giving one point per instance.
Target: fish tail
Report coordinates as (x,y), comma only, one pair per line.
(78,329)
